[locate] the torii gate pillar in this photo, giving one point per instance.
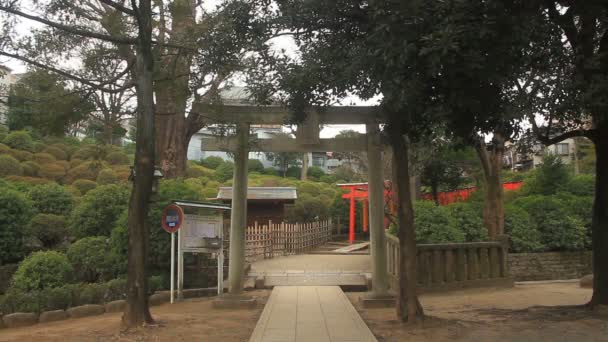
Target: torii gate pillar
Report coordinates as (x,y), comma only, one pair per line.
(376,213)
(238,217)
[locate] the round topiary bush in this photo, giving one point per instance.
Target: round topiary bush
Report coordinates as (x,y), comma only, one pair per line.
(469,220)
(524,233)
(254,165)
(85,153)
(107,176)
(21,155)
(84,185)
(56,152)
(195,171)
(118,158)
(212,162)
(309,188)
(15,211)
(315,172)
(42,270)
(98,211)
(30,168)
(49,229)
(52,199)
(86,170)
(43,158)
(19,140)
(52,171)
(271,171)
(224,171)
(294,172)
(91,258)
(434,224)
(4,149)
(27,182)
(10,166)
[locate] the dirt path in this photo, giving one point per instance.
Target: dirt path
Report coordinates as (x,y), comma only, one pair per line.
(193,320)
(524,313)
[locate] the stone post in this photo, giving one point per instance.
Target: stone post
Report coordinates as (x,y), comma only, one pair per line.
(238,215)
(376,212)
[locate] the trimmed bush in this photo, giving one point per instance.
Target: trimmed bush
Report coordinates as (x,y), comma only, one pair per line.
(56,152)
(43,158)
(91,257)
(19,140)
(434,224)
(4,148)
(224,171)
(30,168)
(307,209)
(195,171)
(107,176)
(118,158)
(558,229)
(52,171)
(86,170)
(85,153)
(294,172)
(75,162)
(309,188)
(21,155)
(212,162)
(10,166)
(469,220)
(98,211)
(581,185)
(15,211)
(254,165)
(28,182)
(84,185)
(52,199)
(330,179)
(550,175)
(315,172)
(49,229)
(271,171)
(523,231)
(42,270)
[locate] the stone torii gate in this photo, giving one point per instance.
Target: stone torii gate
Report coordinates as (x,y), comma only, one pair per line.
(307,140)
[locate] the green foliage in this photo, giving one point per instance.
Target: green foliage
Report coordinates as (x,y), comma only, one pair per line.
(224,171)
(42,270)
(550,176)
(195,171)
(330,179)
(54,171)
(345,174)
(91,257)
(57,152)
(15,212)
(84,185)
(294,172)
(21,155)
(523,231)
(19,140)
(271,171)
(254,165)
(86,153)
(117,158)
(30,168)
(212,162)
(308,188)
(49,229)
(96,214)
(87,170)
(9,166)
(307,209)
(315,172)
(581,185)
(52,199)
(107,176)
(434,224)
(469,220)
(559,231)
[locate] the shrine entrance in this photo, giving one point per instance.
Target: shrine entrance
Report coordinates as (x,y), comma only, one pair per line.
(307,140)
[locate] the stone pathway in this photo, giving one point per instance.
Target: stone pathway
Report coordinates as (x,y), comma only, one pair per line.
(310,313)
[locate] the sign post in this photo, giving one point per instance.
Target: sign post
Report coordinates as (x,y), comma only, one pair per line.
(172,219)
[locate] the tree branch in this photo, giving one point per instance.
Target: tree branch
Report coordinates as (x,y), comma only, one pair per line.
(565,21)
(70,29)
(118,7)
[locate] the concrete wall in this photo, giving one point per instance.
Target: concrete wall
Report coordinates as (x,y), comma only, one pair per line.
(550,266)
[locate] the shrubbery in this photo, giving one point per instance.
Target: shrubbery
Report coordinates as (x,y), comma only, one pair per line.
(49,229)
(92,259)
(52,199)
(315,172)
(19,140)
(212,162)
(469,220)
(254,165)
(98,211)
(43,158)
(42,270)
(30,168)
(15,212)
(523,231)
(107,176)
(118,158)
(9,166)
(84,185)
(54,171)
(224,171)
(434,224)
(195,171)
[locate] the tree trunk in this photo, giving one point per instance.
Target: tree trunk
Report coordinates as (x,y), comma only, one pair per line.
(304,166)
(600,220)
(172,140)
(136,311)
(107,133)
(435,192)
(493,209)
(408,305)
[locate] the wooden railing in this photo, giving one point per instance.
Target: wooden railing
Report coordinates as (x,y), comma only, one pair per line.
(264,241)
(454,265)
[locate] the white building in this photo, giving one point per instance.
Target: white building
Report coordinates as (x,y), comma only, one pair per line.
(566,150)
(7,78)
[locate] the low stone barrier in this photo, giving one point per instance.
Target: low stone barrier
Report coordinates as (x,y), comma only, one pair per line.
(85,310)
(20,319)
(52,316)
(454,265)
(550,265)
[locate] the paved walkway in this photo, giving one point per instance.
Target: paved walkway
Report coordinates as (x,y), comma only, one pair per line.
(313,262)
(310,314)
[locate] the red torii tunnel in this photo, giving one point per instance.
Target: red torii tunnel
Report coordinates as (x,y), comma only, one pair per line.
(358,191)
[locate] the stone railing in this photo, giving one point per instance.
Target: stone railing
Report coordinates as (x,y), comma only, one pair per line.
(454,265)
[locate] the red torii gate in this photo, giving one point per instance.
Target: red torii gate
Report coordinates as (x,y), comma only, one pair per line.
(358,191)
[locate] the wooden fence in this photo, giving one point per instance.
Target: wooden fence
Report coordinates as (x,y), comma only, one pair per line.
(264,241)
(454,265)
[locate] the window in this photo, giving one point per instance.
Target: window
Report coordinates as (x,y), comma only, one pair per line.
(562,149)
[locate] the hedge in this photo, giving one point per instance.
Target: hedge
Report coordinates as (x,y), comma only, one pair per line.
(42,270)
(15,211)
(56,152)
(19,140)
(49,229)
(98,211)
(10,166)
(43,158)
(30,168)
(52,199)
